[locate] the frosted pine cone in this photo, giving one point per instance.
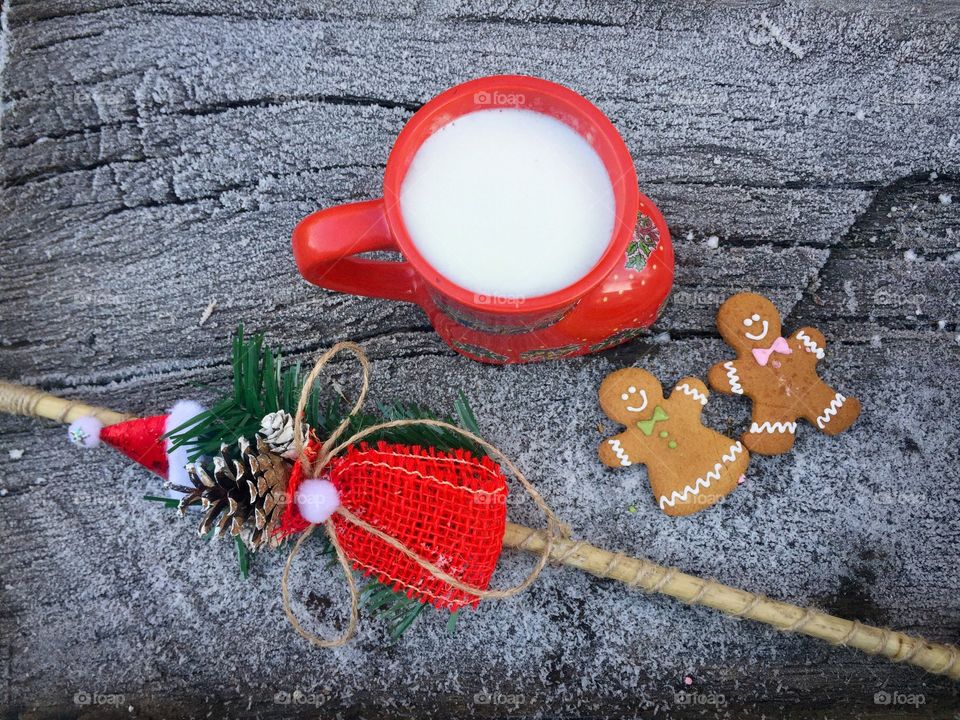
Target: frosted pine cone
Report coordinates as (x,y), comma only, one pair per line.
(277,431)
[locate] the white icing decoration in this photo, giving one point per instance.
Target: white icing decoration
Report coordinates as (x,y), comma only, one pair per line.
(643,396)
(703,482)
(830,411)
(692,392)
(620,453)
(769,427)
(733,378)
(761,336)
(810,345)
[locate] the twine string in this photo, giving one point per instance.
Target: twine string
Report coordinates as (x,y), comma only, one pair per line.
(330,448)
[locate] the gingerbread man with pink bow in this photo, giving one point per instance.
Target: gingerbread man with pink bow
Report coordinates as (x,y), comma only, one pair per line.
(779,374)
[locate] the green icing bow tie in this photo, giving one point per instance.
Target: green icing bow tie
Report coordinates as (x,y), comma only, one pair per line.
(646,426)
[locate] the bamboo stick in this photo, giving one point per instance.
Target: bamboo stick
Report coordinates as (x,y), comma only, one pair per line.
(30,402)
(935,658)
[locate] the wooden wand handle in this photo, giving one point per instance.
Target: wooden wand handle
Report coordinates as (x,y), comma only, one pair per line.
(936,658)
(22,400)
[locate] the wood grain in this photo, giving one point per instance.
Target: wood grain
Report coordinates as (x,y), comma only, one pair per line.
(156,156)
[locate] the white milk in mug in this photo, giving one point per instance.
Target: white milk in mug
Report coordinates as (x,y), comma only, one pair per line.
(508,203)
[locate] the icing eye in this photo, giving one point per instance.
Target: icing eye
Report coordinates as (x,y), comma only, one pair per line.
(631,389)
(748,322)
(624,397)
(755,318)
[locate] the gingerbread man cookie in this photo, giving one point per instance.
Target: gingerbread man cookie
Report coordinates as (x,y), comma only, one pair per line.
(779,374)
(690,466)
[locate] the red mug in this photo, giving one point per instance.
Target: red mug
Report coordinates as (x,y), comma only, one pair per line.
(613,302)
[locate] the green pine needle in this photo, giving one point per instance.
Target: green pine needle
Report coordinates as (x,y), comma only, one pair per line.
(391,606)
(452,623)
(263,385)
(243,556)
(169,502)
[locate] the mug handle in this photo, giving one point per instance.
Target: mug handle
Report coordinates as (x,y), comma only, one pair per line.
(325,242)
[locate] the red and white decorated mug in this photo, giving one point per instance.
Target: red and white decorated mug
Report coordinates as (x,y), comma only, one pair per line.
(612,302)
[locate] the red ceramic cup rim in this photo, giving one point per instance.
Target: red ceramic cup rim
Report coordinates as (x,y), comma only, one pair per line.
(604,138)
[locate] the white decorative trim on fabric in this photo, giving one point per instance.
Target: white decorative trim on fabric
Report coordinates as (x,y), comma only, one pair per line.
(183,411)
(422,476)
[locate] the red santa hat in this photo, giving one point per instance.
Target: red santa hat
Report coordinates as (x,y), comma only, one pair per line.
(141,439)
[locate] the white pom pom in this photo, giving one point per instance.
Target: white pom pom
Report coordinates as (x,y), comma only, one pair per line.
(181,412)
(317,500)
(85,432)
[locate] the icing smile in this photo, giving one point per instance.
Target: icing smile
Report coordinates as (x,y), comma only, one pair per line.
(748,322)
(642,395)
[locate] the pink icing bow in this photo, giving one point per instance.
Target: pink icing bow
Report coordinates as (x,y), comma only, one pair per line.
(779,345)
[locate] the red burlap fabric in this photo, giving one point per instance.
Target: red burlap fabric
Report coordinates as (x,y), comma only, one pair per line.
(447,507)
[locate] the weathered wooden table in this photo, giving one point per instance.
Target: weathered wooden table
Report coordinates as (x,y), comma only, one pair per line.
(156,156)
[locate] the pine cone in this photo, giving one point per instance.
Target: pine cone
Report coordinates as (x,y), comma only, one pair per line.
(277,430)
(246,493)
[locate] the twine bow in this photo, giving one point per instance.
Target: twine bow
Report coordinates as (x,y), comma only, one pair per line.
(330,448)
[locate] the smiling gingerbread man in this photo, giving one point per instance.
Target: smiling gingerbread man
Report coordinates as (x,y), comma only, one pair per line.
(690,466)
(779,374)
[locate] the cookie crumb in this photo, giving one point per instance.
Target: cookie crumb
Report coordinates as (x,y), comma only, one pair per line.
(946,199)
(16,454)
(910,256)
(713,242)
